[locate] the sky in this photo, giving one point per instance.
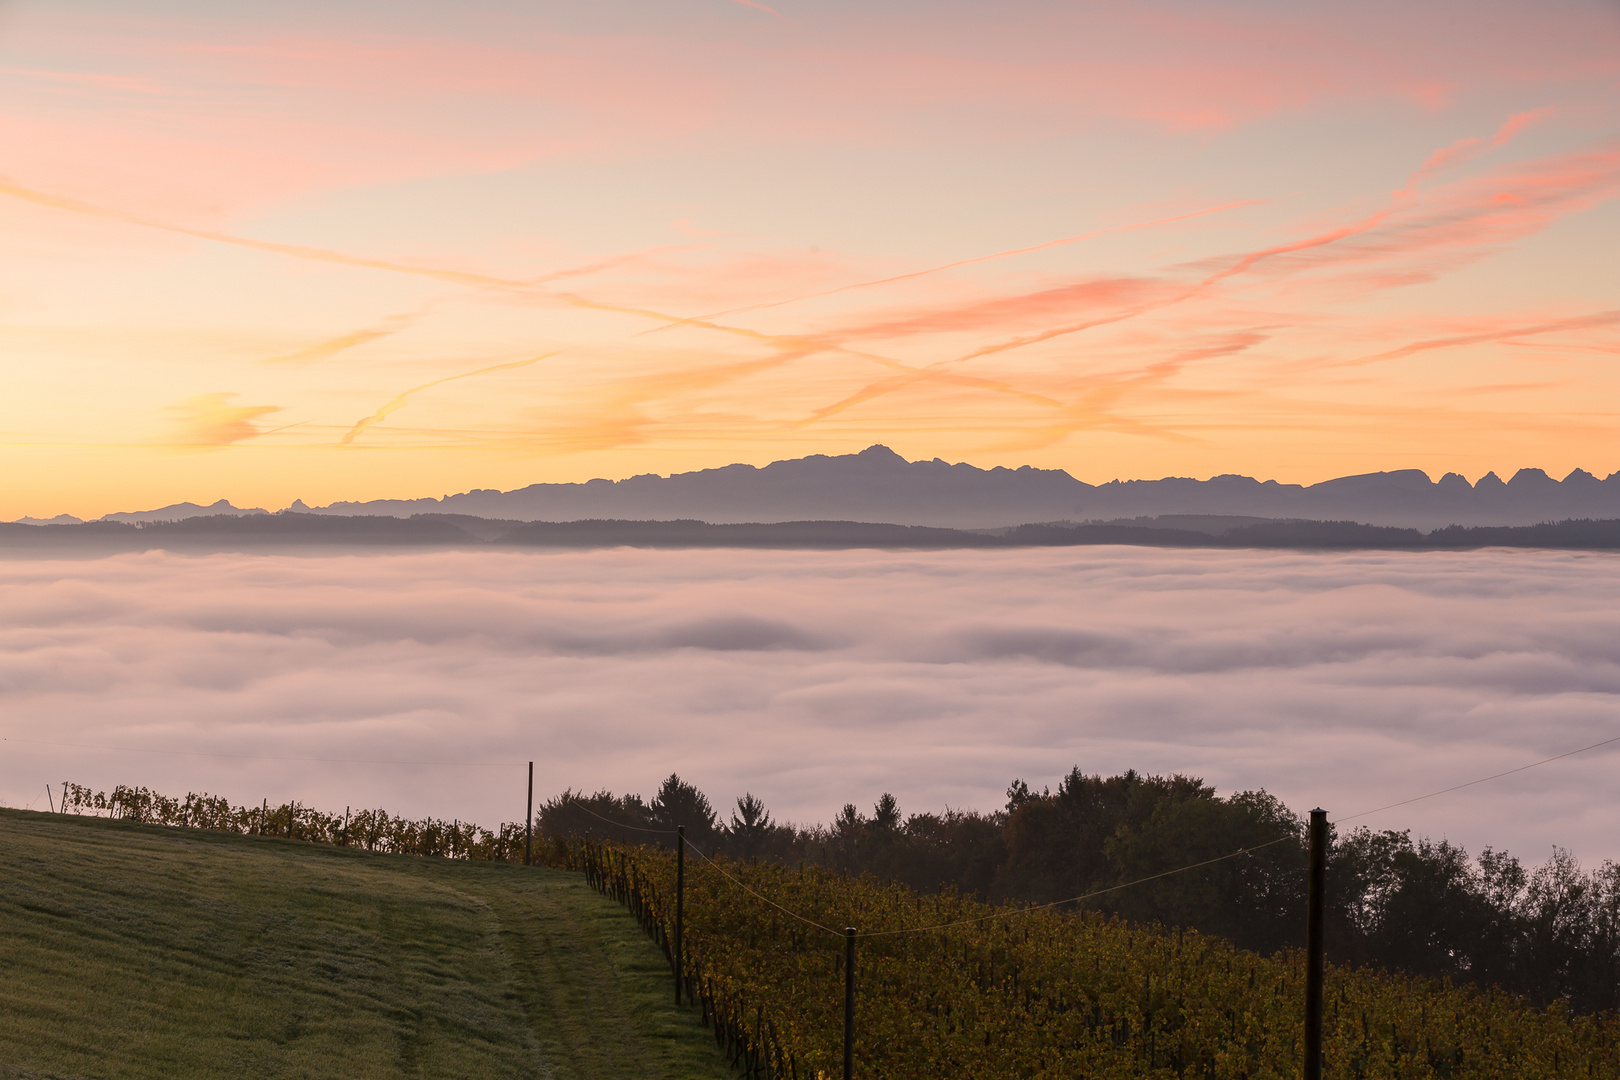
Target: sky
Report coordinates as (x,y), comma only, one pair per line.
(1342,680)
(369,250)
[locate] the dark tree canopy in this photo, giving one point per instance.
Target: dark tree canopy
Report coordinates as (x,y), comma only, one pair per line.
(1551,933)
(679,803)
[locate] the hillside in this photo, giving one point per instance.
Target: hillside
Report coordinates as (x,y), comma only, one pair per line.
(141,951)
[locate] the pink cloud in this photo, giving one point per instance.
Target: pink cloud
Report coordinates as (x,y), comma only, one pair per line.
(758,7)
(341,106)
(1466,219)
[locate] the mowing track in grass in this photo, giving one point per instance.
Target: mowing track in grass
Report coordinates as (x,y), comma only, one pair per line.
(141,951)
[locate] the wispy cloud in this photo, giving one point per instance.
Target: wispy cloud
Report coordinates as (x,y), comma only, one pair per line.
(893,213)
(976,260)
(325,350)
(758,7)
(1394,245)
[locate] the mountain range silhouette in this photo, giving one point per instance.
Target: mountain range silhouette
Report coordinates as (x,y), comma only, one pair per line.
(878,485)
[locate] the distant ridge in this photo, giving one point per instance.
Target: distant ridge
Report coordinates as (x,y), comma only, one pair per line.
(307,533)
(180,512)
(878,486)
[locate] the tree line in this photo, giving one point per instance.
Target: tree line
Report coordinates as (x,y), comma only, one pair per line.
(1549,932)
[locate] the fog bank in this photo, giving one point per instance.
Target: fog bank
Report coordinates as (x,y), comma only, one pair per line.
(815,678)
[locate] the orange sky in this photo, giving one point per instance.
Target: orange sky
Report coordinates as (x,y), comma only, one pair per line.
(402,251)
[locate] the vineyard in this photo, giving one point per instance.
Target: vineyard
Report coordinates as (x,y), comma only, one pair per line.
(948,986)
(374,830)
(1044,994)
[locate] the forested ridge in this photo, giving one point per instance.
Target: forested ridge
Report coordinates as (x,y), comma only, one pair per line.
(1549,932)
(300,531)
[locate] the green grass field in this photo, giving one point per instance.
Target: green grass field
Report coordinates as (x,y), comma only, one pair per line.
(141,951)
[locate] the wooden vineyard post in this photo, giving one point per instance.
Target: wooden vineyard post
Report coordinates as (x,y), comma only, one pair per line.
(680,902)
(346,826)
(849,1003)
(528,822)
(1315,906)
(264,808)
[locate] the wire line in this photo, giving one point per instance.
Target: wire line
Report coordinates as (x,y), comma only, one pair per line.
(1075,899)
(1481,780)
(758,896)
(579,804)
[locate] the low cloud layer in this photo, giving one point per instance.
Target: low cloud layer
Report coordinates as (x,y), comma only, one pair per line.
(816,678)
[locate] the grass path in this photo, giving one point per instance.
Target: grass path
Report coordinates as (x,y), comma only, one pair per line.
(138,951)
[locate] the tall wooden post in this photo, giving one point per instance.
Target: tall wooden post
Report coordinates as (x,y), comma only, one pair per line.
(849,1003)
(1315,906)
(680,902)
(528,822)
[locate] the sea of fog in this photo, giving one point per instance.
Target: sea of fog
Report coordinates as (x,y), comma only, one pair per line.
(1345,680)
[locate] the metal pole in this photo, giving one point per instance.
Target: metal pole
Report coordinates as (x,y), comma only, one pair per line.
(1314,907)
(528,822)
(680,902)
(849,1003)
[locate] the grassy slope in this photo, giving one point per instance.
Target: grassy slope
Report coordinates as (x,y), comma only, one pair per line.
(137,951)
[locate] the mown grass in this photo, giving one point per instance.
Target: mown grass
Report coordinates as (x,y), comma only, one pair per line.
(141,951)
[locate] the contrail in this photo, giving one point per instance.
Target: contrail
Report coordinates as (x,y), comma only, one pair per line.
(399,402)
(1398,201)
(300,251)
(1242,264)
(1576,322)
(338,258)
(1060,242)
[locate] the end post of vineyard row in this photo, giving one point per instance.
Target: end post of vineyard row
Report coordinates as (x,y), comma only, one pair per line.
(680,903)
(528,822)
(849,1003)
(1315,905)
